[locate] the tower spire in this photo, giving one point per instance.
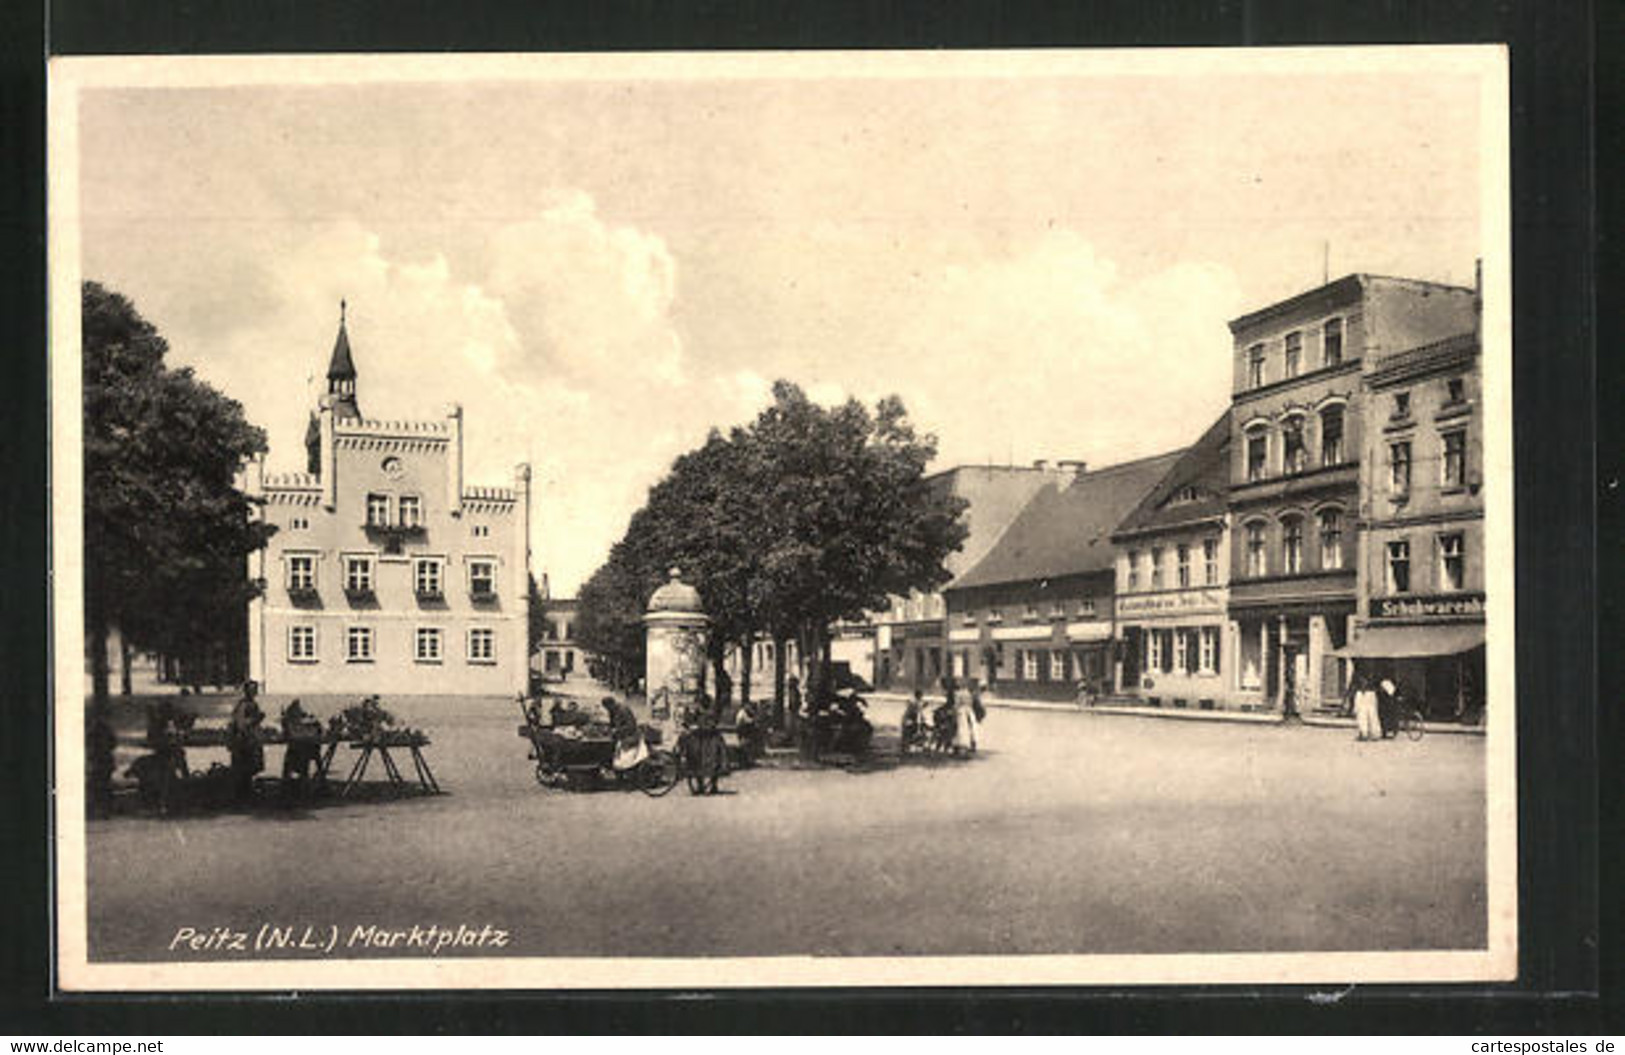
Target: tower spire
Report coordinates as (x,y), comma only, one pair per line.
(341,375)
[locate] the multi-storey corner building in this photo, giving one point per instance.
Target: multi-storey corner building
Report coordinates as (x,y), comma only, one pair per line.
(1422,547)
(1173,573)
(909,647)
(386,573)
(1297,432)
(1033,617)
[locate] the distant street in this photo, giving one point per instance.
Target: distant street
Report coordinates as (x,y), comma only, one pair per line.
(1069,833)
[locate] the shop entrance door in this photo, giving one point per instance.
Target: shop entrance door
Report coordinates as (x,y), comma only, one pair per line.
(1133,648)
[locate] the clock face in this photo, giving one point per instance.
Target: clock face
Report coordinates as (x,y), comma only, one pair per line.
(393,468)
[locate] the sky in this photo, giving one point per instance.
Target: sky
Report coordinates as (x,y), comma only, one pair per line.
(600,269)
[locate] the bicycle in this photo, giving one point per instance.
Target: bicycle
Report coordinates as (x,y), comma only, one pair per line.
(1410,722)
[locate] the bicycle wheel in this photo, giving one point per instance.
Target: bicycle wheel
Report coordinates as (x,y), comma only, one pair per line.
(1413,725)
(658,773)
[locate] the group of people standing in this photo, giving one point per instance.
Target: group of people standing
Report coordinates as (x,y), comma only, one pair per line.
(1375,703)
(955,722)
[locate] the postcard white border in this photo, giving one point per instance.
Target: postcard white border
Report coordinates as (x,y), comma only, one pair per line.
(1496,962)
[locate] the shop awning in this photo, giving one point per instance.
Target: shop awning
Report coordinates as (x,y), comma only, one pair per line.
(1407,642)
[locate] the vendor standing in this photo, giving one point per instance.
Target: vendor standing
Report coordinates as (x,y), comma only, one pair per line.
(243,739)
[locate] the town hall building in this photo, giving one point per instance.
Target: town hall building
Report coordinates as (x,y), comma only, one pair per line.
(387,573)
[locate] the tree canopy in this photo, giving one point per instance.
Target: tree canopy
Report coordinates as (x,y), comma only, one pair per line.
(167,532)
(806,516)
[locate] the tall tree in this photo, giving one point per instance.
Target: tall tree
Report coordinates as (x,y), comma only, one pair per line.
(806,516)
(167,532)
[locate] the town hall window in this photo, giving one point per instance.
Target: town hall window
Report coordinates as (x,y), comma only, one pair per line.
(302,644)
(1399,467)
(426,577)
(358,644)
(1255,550)
(1255,366)
(358,575)
(1454,468)
(1210,561)
(1184,566)
(1331,539)
(1399,566)
(1293,455)
(1331,436)
(1294,353)
(1452,555)
(377,510)
(482,578)
(1332,345)
(426,648)
(482,645)
(1292,545)
(301,572)
(411,509)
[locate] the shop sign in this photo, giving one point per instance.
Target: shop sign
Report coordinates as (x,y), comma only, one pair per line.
(1428,606)
(1170,603)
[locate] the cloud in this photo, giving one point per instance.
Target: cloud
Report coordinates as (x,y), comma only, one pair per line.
(1048,352)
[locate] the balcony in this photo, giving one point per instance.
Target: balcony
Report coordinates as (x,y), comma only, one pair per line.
(414,529)
(359,592)
(482,594)
(303,592)
(429,593)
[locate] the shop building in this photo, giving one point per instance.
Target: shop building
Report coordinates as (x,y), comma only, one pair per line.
(557,655)
(387,573)
(1033,618)
(1422,544)
(1297,434)
(1173,642)
(907,648)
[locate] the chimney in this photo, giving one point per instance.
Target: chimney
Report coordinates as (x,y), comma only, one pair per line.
(1075,466)
(1040,464)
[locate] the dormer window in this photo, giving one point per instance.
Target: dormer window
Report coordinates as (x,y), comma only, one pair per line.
(1184,496)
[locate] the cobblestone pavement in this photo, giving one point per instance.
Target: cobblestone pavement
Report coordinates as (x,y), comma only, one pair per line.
(1067,833)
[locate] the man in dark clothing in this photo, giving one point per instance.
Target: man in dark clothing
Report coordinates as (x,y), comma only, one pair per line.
(243,739)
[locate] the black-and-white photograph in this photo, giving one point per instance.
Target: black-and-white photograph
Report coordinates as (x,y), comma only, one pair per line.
(892,518)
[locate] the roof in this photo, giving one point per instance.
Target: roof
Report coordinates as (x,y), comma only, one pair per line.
(1345,288)
(341,366)
(1067,530)
(1204,468)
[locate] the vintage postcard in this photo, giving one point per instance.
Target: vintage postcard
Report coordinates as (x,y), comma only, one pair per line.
(783,519)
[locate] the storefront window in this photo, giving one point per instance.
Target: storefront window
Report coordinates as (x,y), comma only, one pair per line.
(1029,665)
(1153,660)
(1210,649)
(1057,665)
